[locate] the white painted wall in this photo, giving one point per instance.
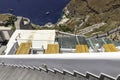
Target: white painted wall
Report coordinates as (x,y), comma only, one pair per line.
(104,55)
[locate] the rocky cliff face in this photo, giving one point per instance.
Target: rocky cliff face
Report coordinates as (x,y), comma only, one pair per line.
(99,10)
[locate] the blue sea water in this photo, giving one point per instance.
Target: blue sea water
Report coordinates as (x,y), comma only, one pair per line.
(35,10)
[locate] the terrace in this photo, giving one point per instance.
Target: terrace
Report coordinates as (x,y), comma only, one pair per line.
(55,42)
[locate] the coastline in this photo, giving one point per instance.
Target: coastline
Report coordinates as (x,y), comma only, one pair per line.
(39,14)
(58,12)
(61,21)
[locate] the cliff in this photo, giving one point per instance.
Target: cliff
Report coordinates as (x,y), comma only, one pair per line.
(99,10)
(107,11)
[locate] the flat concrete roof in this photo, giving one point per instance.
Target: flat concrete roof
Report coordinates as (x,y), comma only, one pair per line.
(38,38)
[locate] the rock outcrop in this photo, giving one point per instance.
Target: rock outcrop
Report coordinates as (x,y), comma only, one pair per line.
(100,10)
(107,11)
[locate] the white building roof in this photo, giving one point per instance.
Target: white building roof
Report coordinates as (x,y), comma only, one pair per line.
(38,38)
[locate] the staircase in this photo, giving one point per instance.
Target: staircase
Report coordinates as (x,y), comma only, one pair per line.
(29,72)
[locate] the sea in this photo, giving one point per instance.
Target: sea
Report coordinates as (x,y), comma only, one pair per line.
(39,12)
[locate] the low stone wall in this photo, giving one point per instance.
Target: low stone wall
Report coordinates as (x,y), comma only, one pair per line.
(105,34)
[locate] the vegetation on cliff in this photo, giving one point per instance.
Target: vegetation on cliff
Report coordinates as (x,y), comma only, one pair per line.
(107,11)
